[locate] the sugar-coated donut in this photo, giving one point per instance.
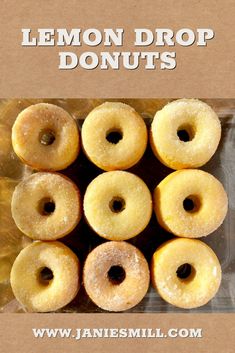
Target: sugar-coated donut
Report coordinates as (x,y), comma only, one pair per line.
(190,203)
(185,134)
(45,276)
(186,272)
(46,206)
(117,205)
(45,137)
(114,136)
(116,276)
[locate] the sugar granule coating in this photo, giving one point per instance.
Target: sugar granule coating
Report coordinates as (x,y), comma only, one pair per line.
(41,190)
(39,295)
(105,294)
(208,197)
(198,121)
(114,117)
(199,287)
(46,137)
(135,203)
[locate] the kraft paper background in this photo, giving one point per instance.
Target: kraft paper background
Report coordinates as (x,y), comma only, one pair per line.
(203,72)
(206,72)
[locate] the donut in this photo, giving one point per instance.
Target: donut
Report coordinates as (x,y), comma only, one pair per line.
(185,272)
(185,134)
(45,137)
(190,203)
(117,205)
(114,136)
(45,276)
(46,206)
(116,276)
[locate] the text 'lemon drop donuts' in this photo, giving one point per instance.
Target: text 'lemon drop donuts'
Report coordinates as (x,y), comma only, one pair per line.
(45,137)
(114,136)
(186,273)
(185,134)
(117,205)
(190,203)
(116,276)
(46,206)
(45,276)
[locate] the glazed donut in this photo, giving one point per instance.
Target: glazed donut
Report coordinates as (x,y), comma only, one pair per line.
(185,134)
(186,273)
(45,276)
(190,203)
(45,137)
(117,205)
(114,136)
(46,206)
(116,276)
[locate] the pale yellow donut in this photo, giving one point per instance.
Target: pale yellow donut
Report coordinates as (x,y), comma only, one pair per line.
(198,120)
(46,206)
(112,117)
(116,276)
(200,286)
(40,293)
(194,188)
(45,137)
(117,205)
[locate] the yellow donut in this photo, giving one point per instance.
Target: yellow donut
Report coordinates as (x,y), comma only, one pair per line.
(190,203)
(46,206)
(116,276)
(45,276)
(186,273)
(185,134)
(117,205)
(114,136)
(45,137)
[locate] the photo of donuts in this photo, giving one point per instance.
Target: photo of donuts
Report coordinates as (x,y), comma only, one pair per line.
(117,205)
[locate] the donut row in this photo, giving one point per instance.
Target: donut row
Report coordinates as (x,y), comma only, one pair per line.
(114,136)
(118,205)
(46,275)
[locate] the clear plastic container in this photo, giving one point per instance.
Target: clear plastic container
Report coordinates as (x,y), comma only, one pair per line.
(83,239)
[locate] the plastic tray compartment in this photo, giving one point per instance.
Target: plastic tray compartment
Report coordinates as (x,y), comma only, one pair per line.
(83,239)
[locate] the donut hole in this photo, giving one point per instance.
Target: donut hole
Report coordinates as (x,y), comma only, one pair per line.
(117,204)
(114,136)
(45,275)
(46,206)
(46,137)
(116,274)
(191,204)
(185,133)
(185,272)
